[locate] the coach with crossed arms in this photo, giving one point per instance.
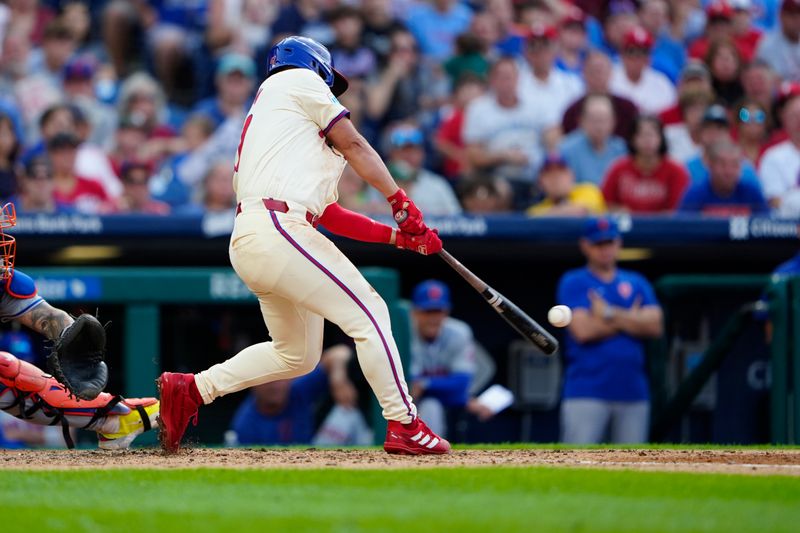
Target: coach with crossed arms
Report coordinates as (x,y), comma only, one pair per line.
(295,142)
(606,396)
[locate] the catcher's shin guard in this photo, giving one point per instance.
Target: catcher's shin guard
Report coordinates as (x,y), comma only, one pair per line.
(30,394)
(121,430)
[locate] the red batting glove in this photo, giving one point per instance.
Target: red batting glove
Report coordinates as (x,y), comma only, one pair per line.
(406,214)
(428,243)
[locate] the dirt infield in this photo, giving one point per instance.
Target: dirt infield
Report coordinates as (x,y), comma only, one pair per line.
(781,462)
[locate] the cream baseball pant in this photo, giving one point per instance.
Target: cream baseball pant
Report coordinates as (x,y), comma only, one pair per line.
(300,279)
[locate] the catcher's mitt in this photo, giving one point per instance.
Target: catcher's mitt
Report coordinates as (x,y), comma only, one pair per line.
(77,358)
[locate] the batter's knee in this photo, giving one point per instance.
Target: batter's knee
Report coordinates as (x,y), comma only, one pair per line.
(303,361)
(366,321)
(308,364)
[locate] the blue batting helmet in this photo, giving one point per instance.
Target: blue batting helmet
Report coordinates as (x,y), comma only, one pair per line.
(307,53)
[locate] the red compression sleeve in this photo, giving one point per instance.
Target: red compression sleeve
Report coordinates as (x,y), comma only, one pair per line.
(355,226)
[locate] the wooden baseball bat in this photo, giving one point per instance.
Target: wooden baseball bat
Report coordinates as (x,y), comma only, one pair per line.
(525,325)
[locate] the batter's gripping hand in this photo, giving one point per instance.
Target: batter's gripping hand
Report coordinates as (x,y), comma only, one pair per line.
(428,243)
(406,214)
(77,358)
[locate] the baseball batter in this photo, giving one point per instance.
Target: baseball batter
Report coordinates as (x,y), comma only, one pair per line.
(295,142)
(30,394)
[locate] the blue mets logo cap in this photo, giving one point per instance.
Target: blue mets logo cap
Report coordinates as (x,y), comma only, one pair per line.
(431,295)
(600,229)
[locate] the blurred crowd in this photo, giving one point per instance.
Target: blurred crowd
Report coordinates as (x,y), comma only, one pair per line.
(544,107)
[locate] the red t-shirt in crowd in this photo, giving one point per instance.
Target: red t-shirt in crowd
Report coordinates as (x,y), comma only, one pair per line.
(627,186)
(745,43)
(87,196)
(671,115)
(450,130)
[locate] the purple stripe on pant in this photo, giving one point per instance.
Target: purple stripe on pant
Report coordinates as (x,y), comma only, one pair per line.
(352,295)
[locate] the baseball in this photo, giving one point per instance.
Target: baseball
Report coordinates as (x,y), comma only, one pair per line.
(559,316)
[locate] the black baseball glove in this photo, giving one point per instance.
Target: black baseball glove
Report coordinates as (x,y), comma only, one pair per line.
(77,358)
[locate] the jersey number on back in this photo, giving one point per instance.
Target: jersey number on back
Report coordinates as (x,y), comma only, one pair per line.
(247,122)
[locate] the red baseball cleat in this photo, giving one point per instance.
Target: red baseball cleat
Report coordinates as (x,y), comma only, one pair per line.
(413,439)
(179,402)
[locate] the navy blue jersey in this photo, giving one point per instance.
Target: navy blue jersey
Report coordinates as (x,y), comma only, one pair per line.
(294,425)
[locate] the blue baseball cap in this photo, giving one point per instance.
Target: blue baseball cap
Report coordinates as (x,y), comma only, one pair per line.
(554,160)
(233,62)
(78,69)
(431,295)
(600,229)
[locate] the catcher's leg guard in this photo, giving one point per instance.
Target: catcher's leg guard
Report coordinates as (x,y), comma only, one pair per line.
(118,432)
(30,394)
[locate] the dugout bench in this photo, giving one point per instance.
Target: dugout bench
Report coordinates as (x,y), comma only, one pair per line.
(143,291)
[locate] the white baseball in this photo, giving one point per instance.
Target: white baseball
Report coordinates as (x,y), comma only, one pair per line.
(560,316)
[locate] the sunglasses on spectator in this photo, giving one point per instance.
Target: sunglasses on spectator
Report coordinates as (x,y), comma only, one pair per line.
(540,42)
(636,51)
(747,116)
(138,183)
(402,137)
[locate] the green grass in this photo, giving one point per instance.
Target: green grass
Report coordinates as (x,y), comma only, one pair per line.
(421,500)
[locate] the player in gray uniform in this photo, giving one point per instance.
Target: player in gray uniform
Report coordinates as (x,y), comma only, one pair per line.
(442,355)
(28,393)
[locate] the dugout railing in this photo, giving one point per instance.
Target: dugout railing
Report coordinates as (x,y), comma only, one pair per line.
(144,292)
(784,314)
(772,305)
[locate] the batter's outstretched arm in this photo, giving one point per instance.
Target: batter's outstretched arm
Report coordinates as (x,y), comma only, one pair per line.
(346,223)
(362,157)
(352,225)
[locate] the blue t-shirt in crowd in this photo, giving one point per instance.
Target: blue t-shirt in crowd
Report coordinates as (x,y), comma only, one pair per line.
(436,31)
(210,108)
(611,369)
(588,165)
(668,56)
(572,69)
(698,171)
(746,198)
(189,14)
(294,425)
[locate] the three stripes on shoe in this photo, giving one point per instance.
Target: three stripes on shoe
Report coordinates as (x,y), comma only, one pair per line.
(423,439)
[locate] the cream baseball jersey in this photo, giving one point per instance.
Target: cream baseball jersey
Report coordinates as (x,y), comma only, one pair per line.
(283,152)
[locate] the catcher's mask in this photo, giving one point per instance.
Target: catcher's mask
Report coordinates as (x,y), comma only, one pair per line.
(8,245)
